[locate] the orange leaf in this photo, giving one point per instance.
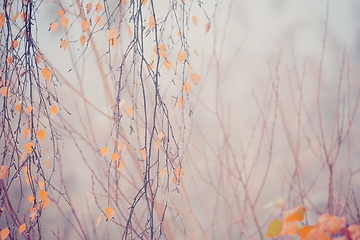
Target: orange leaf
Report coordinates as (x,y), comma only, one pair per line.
(122,103)
(64,21)
(162,172)
(181,103)
(54,110)
(22,157)
(118,145)
(304,231)
(4,172)
(112,34)
(290,228)
(54,26)
(129,30)
(187,88)
(85,25)
(109,213)
(10,60)
(167,64)
(98,7)
(64,44)
(157,145)
(47,151)
(41,134)
(143,153)
(47,163)
(22,228)
(295,214)
(14,44)
(152,21)
(2,20)
(121,165)
(123,3)
(41,184)
(195,78)
(330,224)
(129,110)
(124,147)
(4,233)
(317,234)
(195,51)
(182,56)
(98,220)
(194,19)
(143,1)
(113,42)
(4,91)
(274,228)
(31,199)
(207,26)
(46,72)
(38,58)
(115,156)
(88,8)
(16,16)
(44,203)
(98,20)
(28,147)
(42,194)
(104,151)
(28,109)
(26,132)
(61,12)
(160,135)
(82,39)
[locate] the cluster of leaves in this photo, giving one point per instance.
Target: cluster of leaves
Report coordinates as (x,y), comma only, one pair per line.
(326,226)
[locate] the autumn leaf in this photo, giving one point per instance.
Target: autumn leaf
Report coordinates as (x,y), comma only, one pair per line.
(181,103)
(104,151)
(28,147)
(113,42)
(54,26)
(122,103)
(295,214)
(207,26)
(34,213)
(129,110)
(22,228)
(317,234)
(330,224)
(143,1)
(14,44)
(167,64)
(160,135)
(42,194)
(4,91)
(196,53)
(41,134)
(112,33)
(157,144)
(61,12)
(4,233)
(115,156)
(123,3)
(162,172)
(290,228)
(28,109)
(274,228)
(109,213)
(64,21)
(182,56)
(143,153)
(26,132)
(98,20)
(64,44)
(195,78)
(31,199)
(54,110)
(194,19)
(129,30)
(46,72)
(98,7)
(2,20)
(187,88)
(47,163)
(152,21)
(85,25)
(88,7)
(10,60)
(98,220)
(121,165)
(304,231)
(82,39)
(15,17)
(45,203)
(4,172)
(41,184)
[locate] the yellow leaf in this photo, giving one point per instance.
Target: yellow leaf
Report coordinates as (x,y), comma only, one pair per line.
(41,184)
(31,199)
(41,134)
(54,26)
(187,88)
(61,12)
(121,165)
(88,8)
(104,151)
(4,91)
(98,7)
(54,110)
(98,220)
(162,172)
(98,20)
(47,163)
(195,78)
(82,39)
(46,72)
(64,21)
(181,103)
(22,228)
(182,56)
(109,213)
(112,34)
(157,145)
(295,214)
(274,228)
(152,21)
(85,25)
(129,110)
(64,44)
(28,147)
(26,132)
(4,233)
(42,194)
(4,172)
(115,156)
(194,19)
(143,153)
(207,26)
